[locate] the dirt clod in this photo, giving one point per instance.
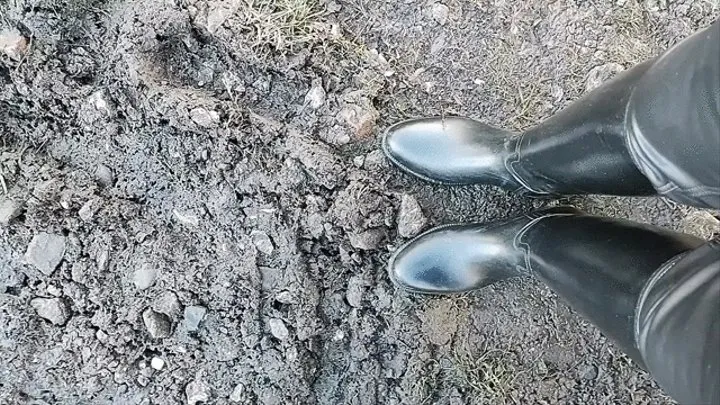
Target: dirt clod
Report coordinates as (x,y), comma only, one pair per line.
(9,210)
(45,252)
(411,219)
(197,391)
(55,310)
(13,44)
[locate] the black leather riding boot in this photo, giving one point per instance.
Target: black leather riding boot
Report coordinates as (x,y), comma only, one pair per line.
(598,265)
(580,150)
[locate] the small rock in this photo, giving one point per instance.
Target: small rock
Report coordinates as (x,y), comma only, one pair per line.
(355,291)
(104,176)
(193,316)
(262,242)
(187,219)
(13,44)
(285,297)
(144,276)
(205,118)
(367,240)
(237,393)
(316,96)
(589,372)
(278,329)
(157,363)
(440,13)
(168,304)
(197,391)
(55,310)
(45,252)
(358,161)
(9,210)
(88,210)
(410,219)
(158,325)
(600,74)
(337,135)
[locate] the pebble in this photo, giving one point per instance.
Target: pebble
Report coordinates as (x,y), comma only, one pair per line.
(197,391)
(144,276)
(205,118)
(367,240)
(168,304)
(262,242)
(315,98)
(157,363)
(88,210)
(158,325)
(410,219)
(440,13)
(187,219)
(9,210)
(104,176)
(355,291)
(237,393)
(55,310)
(13,44)
(589,372)
(45,252)
(278,329)
(193,316)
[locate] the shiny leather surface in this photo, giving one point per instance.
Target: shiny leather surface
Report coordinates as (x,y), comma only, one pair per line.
(458,258)
(450,150)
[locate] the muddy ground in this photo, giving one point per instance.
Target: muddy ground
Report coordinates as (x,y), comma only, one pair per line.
(197,211)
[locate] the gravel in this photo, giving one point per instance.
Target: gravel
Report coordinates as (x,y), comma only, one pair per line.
(45,252)
(55,310)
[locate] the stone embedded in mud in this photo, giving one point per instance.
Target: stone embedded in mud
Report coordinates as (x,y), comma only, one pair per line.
(411,219)
(366,240)
(158,325)
(157,363)
(168,304)
(440,13)
(278,329)
(197,391)
(193,316)
(104,176)
(89,209)
(13,44)
(9,210)
(262,242)
(45,252)
(315,98)
(204,117)
(144,276)
(55,310)
(355,291)
(238,393)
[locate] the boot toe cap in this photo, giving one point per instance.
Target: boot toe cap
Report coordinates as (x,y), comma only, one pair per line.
(451,150)
(433,264)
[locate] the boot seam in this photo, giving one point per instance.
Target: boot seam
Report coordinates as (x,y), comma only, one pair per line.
(513,159)
(524,247)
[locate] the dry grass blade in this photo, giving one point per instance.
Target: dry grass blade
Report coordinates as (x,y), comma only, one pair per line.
(283,24)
